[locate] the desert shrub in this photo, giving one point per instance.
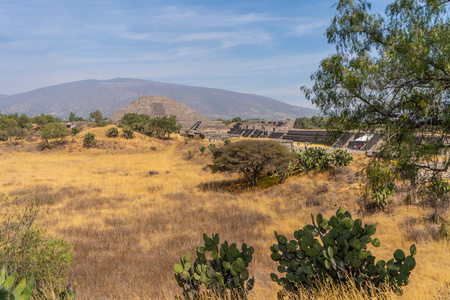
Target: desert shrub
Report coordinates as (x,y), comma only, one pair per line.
(189,154)
(225,274)
(75,131)
(89,140)
(127,133)
(202,149)
(112,132)
(335,250)
(226,141)
(380,184)
(212,147)
(27,246)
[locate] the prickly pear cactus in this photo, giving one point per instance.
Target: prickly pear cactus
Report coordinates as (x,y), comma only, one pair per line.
(22,291)
(337,250)
(225,273)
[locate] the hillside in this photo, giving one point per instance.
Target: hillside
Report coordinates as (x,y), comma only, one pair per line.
(82,97)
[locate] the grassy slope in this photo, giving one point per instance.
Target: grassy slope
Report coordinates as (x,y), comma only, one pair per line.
(128,228)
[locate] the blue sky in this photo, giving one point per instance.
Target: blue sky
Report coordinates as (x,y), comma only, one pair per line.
(262,47)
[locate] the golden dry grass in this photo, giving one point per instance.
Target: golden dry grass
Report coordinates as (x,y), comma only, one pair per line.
(131,208)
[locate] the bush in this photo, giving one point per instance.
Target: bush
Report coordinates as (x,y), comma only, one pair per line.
(225,274)
(28,247)
(212,147)
(89,140)
(202,149)
(338,256)
(226,141)
(112,132)
(75,131)
(128,133)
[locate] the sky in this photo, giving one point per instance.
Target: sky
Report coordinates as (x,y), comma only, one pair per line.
(262,47)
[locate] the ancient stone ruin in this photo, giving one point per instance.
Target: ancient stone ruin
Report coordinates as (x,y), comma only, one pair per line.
(158,106)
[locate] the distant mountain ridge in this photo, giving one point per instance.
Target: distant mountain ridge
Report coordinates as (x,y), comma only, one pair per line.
(82,97)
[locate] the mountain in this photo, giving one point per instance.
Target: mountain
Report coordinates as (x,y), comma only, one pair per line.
(82,97)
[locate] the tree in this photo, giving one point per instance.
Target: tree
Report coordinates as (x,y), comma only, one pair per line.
(53,134)
(96,115)
(251,157)
(72,117)
(15,133)
(391,75)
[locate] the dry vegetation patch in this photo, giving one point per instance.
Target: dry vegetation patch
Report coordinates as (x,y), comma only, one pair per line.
(131,211)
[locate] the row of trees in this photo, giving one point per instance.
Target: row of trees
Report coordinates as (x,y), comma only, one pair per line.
(159,126)
(310,123)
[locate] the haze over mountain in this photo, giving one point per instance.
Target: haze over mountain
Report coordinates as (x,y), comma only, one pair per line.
(82,97)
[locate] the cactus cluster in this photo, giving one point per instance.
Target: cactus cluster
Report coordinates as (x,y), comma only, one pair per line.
(336,250)
(22,291)
(226,271)
(317,158)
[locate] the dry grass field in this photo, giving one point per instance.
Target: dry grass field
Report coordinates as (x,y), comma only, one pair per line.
(131,208)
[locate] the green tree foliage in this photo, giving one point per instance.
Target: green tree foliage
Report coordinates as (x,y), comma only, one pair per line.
(128,133)
(27,246)
(226,274)
(89,140)
(15,133)
(13,127)
(45,119)
(112,132)
(252,158)
(134,120)
(337,250)
(72,117)
(226,141)
(53,134)
(150,126)
(96,115)
(310,123)
(390,75)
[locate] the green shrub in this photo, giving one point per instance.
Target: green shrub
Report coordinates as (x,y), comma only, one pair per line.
(27,246)
(202,149)
(112,132)
(89,140)
(224,274)
(380,184)
(22,291)
(212,147)
(127,133)
(335,250)
(226,141)
(75,131)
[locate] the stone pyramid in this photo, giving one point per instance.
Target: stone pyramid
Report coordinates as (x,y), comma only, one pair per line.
(158,106)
